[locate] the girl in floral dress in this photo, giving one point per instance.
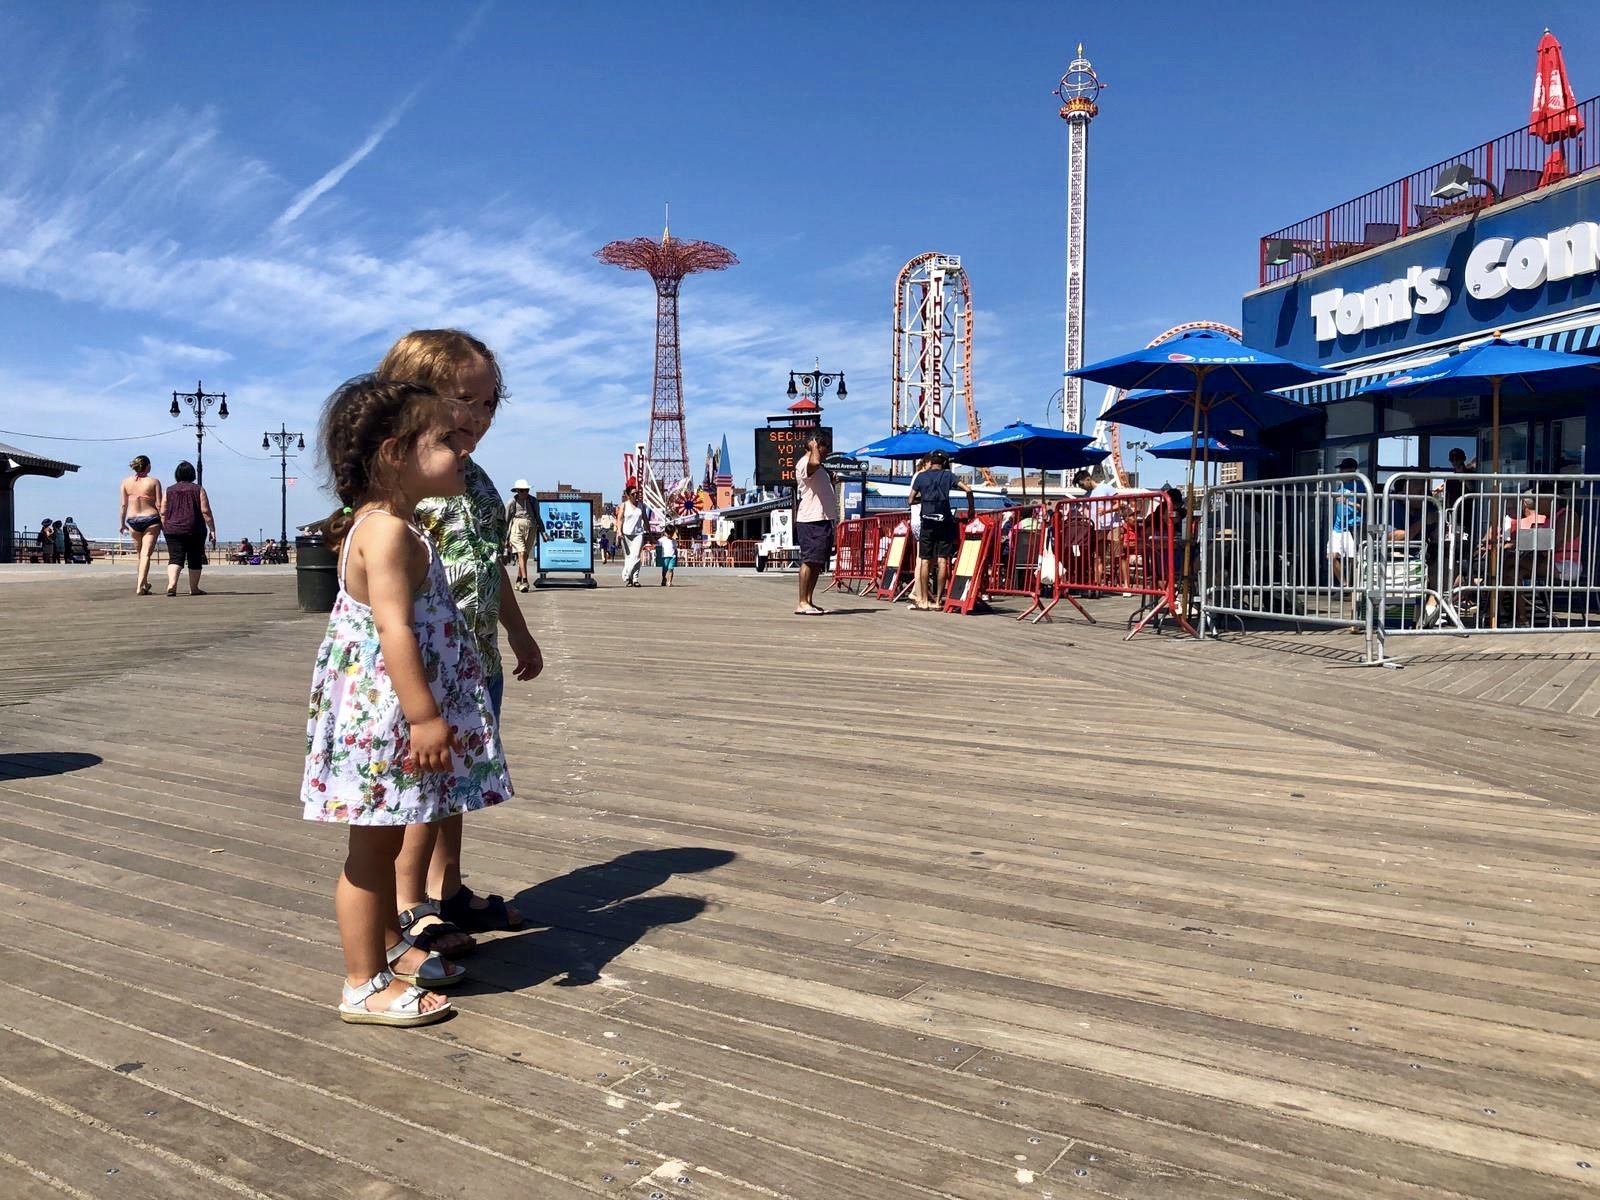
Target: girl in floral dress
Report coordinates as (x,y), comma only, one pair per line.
(401,731)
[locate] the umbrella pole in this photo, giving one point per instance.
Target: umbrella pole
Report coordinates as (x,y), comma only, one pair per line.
(1188,501)
(1496,553)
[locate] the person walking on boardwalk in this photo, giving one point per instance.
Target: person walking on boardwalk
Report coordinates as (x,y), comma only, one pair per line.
(667,556)
(816,506)
(140,515)
(401,732)
(188,524)
(522,528)
(631,527)
(468,528)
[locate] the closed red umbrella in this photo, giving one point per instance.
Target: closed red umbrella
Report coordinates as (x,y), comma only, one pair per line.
(1555,116)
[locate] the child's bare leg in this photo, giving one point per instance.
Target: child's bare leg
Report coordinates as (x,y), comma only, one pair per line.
(444,871)
(411,882)
(366,915)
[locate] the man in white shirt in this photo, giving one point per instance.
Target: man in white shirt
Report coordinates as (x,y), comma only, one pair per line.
(816,505)
(1109,516)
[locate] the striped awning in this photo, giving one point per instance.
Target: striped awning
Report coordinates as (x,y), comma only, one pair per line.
(1572,336)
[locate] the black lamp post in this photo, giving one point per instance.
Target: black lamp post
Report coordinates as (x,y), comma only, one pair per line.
(199,401)
(814,383)
(281,439)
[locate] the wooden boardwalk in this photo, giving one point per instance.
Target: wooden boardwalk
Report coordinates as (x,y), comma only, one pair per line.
(872,906)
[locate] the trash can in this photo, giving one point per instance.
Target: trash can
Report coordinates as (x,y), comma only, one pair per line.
(316,571)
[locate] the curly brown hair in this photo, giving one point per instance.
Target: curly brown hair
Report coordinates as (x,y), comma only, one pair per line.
(360,417)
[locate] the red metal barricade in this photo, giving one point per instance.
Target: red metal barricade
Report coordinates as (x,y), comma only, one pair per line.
(859,547)
(1108,545)
(1013,566)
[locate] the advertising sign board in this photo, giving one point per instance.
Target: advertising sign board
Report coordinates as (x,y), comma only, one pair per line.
(777,447)
(566,540)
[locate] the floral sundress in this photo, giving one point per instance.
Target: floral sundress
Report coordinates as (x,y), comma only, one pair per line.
(358,742)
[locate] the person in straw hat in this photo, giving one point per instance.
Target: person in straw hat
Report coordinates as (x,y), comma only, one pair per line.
(522,519)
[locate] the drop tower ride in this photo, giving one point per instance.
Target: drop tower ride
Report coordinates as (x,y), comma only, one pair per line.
(1079,91)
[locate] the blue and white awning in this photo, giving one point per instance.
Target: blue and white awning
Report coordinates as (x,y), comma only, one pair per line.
(1573,335)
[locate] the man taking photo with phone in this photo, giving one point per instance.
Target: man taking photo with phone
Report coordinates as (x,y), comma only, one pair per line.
(816,505)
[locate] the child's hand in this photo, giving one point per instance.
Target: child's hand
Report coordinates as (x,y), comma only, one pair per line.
(430,745)
(529,660)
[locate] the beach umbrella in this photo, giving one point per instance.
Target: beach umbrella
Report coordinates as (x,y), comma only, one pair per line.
(1498,367)
(1216,449)
(1555,115)
(1037,446)
(1167,411)
(912,443)
(1209,366)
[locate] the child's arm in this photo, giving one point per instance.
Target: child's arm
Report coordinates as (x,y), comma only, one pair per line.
(530,661)
(389,554)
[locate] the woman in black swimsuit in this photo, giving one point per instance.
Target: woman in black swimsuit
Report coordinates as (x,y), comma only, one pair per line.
(141,517)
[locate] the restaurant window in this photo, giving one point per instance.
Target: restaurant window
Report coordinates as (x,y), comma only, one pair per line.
(1349,418)
(1440,446)
(1334,454)
(1513,448)
(1567,446)
(1397,454)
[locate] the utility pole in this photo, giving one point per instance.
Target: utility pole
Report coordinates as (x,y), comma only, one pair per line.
(198,401)
(281,439)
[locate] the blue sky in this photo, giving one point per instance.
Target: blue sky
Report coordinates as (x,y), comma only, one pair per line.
(263,196)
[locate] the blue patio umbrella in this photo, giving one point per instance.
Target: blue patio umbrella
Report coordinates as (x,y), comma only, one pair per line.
(1036,446)
(1209,366)
(1162,411)
(911,443)
(1499,367)
(1216,449)
(1203,360)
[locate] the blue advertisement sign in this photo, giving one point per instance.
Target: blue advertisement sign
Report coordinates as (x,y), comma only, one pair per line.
(1513,263)
(853,498)
(566,539)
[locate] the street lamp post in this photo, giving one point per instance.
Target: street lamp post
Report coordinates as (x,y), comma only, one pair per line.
(1138,449)
(281,439)
(198,402)
(814,383)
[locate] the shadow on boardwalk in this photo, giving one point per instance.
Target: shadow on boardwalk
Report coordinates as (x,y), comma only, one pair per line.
(588,917)
(45,762)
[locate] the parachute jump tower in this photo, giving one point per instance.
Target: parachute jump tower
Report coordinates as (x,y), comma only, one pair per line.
(667,262)
(1079,90)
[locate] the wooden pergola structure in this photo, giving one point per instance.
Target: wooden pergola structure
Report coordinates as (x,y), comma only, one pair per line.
(14,464)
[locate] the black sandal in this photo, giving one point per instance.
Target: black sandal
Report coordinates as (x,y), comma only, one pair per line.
(491,918)
(424,938)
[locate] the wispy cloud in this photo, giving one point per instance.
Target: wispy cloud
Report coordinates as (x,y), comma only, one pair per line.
(334,177)
(297,208)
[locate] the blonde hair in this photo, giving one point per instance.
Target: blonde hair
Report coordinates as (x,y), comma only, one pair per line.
(436,358)
(140,465)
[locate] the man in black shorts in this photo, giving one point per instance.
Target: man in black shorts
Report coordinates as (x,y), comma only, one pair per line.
(936,544)
(816,506)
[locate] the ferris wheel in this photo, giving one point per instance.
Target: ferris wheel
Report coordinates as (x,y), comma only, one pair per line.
(1108,436)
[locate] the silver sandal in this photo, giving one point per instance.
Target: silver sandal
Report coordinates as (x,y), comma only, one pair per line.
(434,973)
(406,1011)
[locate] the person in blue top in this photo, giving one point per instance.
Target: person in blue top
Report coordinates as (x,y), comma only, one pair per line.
(1346,523)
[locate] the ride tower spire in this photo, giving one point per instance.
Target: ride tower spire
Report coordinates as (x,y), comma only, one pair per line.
(1079,91)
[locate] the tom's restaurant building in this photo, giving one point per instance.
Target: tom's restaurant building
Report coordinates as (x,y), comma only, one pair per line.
(1505,239)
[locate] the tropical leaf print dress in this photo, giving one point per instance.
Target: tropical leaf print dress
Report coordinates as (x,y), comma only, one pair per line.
(358,742)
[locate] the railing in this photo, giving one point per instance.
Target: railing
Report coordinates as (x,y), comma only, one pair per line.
(1512,165)
(1432,553)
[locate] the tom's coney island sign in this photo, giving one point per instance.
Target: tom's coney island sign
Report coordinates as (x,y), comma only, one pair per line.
(1496,267)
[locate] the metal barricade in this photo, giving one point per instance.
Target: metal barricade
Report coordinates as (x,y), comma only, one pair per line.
(1301,550)
(1460,553)
(859,547)
(1013,566)
(1124,544)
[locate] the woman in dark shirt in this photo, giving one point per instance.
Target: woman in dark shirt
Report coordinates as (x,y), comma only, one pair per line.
(187,522)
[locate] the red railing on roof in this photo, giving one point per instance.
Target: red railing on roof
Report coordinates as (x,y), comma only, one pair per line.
(1513,165)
